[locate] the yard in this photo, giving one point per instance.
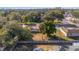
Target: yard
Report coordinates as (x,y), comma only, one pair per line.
(39,37)
(42,37)
(66,38)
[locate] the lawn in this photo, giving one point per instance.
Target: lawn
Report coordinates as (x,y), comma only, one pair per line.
(58,34)
(66,38)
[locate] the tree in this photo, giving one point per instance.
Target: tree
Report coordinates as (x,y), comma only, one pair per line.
(75,13)
(11,31)
(48,28)
(16,30)
(35,17)
(25,18)
(54,14)
(14,16)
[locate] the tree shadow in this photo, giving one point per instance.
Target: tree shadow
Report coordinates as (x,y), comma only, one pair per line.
(24,47)
(56,38)
(74,37)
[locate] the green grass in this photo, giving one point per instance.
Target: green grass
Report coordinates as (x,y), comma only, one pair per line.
(57,21)
(74,38)
(66,38)
(26,22)
(63,37)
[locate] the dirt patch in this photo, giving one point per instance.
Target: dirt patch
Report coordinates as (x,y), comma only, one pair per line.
(39,37)
(47,47)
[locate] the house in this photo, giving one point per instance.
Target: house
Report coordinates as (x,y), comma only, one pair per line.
(31,27)
(69,17)
(68,27)
(69,31)
(67,14)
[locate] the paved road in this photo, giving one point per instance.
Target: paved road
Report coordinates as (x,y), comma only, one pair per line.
(48,42)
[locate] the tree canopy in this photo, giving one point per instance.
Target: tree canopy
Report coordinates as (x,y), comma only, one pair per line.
(48,28)
(11,31)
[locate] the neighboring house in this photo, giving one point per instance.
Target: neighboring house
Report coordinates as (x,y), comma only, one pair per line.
(34,27)
(67,14)
(64,25)
(67,27)
(69,31)
(69,17)
(31,27)
(71,20)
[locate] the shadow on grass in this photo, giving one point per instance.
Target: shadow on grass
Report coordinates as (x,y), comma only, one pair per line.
(54,37)
(27,47)
(75,38)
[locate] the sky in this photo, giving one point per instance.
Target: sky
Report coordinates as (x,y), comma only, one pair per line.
(39,3)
